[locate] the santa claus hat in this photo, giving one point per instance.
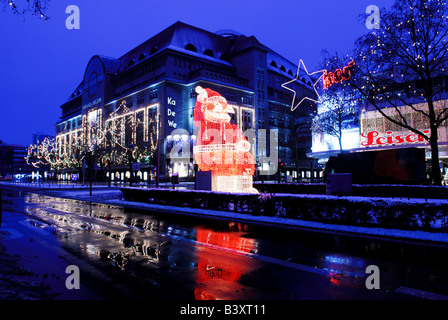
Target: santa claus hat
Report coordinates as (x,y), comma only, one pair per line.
(205,95)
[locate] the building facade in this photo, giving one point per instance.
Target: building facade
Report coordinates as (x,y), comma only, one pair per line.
(138,108)
(12,161)
(369,130)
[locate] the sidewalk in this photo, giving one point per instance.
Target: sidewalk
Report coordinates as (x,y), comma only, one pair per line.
(16,281)
(32,263)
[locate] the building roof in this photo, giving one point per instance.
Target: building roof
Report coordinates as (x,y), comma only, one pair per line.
(77,92)
(281,65)
(181,37)
(111,65)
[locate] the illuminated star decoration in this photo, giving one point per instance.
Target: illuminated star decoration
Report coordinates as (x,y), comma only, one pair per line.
(284,85)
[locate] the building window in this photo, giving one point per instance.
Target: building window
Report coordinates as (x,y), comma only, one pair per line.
(93,83)
(108,110)
(193,93)
(246,120)
(191,47)
(130,102)
(153,94)
(140,99)
(139,130)
(224,57)
(209,53)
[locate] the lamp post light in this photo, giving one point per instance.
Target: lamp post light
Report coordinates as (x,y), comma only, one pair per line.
(131,159)
(108,165)
(84,167)
(158,152)
(1,207)
(88,156)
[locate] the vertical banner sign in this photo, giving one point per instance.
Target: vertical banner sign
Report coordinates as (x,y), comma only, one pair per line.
(171,114)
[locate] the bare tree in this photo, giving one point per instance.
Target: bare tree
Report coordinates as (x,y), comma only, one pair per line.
(22,8)
(400,67)
(338,111)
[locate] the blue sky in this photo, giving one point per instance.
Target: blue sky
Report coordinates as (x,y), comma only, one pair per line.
(42,61)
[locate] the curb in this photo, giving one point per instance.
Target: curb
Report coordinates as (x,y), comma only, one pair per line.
(435,238)
(381,233)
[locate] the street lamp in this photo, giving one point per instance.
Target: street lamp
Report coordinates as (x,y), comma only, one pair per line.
(108,166)
(89,157)
(158,150)
(131,159)
(1,207)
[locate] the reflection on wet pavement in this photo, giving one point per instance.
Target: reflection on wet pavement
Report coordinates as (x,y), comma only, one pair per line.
(174,257)
(140,244)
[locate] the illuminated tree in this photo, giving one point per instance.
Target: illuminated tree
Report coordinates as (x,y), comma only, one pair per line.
(36,8)
(338,110)
(124,137)
(44,154)
(401,66)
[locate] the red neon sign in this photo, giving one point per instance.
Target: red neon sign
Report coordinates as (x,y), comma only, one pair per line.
(330,78)
(374,138)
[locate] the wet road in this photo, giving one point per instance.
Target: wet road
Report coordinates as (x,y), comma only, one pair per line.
(135,255)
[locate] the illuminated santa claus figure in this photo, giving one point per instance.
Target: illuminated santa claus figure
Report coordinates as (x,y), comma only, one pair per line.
(220,146)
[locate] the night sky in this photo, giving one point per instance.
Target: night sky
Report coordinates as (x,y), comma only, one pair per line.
(42,62)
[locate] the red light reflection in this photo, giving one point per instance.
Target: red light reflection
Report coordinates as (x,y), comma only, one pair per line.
(230,240)
(218,271)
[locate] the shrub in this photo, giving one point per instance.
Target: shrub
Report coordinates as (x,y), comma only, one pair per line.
(330,209)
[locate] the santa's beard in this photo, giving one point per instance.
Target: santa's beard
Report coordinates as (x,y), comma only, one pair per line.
(216,117)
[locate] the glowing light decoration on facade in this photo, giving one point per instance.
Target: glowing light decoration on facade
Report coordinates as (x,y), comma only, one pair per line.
(108,141)
(220,146)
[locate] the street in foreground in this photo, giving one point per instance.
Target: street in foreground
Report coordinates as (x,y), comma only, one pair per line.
(138,255)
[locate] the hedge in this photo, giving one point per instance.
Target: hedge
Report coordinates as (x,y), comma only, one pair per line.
(356,211)
(371,190)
